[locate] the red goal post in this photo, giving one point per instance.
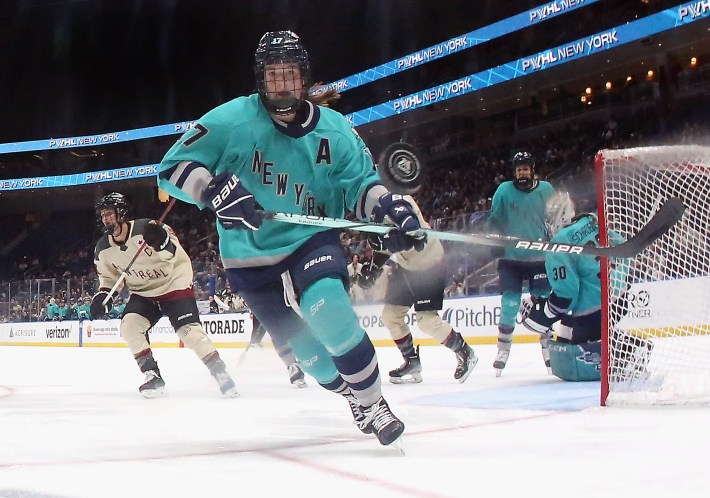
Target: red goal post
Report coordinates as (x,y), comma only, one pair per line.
(656,306)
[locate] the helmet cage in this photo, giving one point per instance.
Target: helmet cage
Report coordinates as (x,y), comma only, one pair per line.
(523,159)
(560,213)
(281,47)
(115,201)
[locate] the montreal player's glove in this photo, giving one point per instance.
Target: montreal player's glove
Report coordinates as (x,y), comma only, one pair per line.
(234,205)
(400,212)
(98,310)
(156,236)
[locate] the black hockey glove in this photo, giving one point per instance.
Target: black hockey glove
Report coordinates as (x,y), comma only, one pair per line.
(97,309)
(369,273)
(234,205)
(400,212)
(156,236)
(540,316)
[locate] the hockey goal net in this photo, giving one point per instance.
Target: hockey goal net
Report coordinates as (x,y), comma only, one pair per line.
(656,306)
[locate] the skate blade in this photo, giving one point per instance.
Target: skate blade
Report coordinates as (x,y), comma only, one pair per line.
(499,372)
(231,393)
(153,393)
(472,362)
(299,384)
(398,444)
(549,371)
(407,379)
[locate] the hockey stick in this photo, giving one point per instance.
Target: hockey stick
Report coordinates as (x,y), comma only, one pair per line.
(668,214)
(124,273)
(243,356)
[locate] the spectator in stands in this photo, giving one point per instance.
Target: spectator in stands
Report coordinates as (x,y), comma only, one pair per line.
(52,308)
(63,310)
(118,308)
(83,308)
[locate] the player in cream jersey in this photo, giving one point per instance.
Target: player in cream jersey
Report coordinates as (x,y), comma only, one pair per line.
(417,277)
(159,282)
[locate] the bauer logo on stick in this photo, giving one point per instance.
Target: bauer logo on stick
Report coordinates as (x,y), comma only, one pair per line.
(401,167)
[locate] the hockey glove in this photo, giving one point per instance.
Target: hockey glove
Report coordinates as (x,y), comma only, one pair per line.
(156,236)
(540,317)
(369,273)
(97,309)
(396,241)
(526,306)
(234,205)
(400,212)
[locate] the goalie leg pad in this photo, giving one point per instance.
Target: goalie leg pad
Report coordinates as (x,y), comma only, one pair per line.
(575,362)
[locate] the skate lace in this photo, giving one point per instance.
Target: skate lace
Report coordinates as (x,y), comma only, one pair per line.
(150,375)
(380,416)
(358,415)
(462,357)
(294,371)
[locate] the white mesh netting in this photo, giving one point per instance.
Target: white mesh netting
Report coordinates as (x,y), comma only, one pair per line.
(659,329)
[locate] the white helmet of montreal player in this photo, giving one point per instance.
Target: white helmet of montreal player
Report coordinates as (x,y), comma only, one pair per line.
(560,211)
(282,72)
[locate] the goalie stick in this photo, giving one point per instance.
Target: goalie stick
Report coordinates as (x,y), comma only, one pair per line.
(124,273)
(668,214)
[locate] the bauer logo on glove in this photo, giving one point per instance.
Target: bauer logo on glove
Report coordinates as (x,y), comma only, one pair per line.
(233,204)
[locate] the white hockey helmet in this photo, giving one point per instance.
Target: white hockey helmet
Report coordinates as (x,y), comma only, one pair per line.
(560,211)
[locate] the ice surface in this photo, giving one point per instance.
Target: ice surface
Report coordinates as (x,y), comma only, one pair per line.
(72,424)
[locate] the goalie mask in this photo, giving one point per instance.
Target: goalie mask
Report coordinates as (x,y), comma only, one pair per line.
(560,212)
(114,201)
(524,171)
(282,72)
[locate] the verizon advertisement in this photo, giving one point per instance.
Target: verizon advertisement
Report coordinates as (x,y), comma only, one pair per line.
(40,334)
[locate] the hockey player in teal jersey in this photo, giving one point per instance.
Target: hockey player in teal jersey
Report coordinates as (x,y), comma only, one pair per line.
(518,210)
(280,149)
(575,300)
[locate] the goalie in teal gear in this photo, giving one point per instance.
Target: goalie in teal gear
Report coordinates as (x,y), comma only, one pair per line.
(575,300)
(279,149)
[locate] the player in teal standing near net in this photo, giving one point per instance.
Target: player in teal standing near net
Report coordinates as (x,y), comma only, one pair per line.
(518,210)
(291,155)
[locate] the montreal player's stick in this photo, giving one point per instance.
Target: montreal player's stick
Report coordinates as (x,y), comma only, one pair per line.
(124,273)
(666,216)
